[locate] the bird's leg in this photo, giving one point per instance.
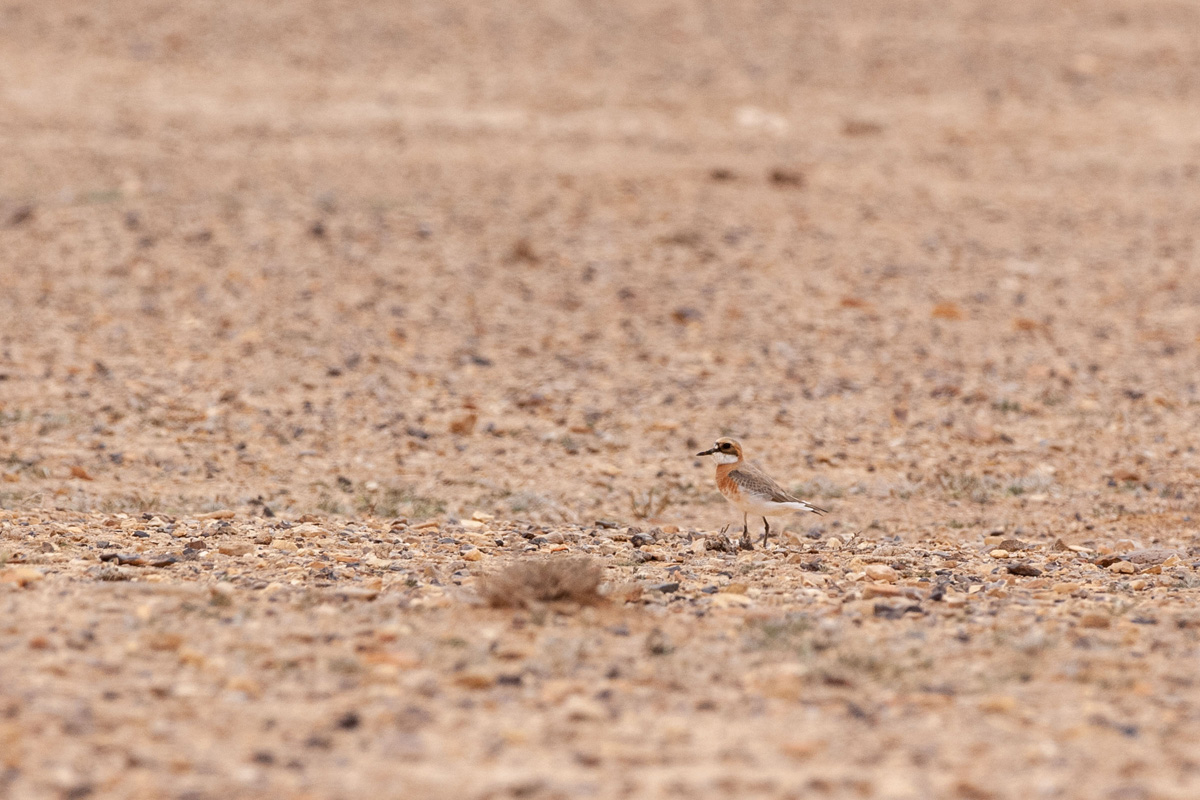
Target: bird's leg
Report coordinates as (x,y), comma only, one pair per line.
(766,531)
(746,544)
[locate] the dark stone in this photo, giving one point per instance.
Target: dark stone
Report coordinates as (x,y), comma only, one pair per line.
(895,612)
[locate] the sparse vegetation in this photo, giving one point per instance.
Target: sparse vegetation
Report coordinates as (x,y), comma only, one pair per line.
(644,505)
(522,583)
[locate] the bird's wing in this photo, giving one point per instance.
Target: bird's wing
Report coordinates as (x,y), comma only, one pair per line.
(751,479)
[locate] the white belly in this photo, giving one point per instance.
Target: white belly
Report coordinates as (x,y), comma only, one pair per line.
(749,504)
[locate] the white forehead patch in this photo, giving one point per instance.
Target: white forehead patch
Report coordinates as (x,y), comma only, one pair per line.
(724,458)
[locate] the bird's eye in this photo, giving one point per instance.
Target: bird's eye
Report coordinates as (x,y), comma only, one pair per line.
(724,445)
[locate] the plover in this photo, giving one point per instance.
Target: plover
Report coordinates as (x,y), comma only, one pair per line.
(750,489)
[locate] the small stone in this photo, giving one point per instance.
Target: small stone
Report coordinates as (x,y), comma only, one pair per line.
(1095,620)
(882,573)
(1153,555)
(998,553)
(665,588)
(1123,567)
(895,612)
(284,544)
(730,600)
(474,554)
(583,709)
(236,548)
(998,704)
(1065,588)
(801,750)
(21,576)
(833,542)
(470,679)
(1024,570)
(222,514)
(873,590)
(784,681)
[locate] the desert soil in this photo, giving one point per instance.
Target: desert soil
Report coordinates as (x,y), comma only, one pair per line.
(313,315)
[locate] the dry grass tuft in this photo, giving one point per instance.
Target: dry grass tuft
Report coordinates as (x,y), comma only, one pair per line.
(524,582)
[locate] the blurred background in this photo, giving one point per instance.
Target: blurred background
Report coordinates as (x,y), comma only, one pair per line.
(420,259)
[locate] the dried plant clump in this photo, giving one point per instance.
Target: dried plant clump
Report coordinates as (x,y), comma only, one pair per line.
(645,506)
(525,582)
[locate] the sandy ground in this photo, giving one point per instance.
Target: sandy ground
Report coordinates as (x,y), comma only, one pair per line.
(312,315)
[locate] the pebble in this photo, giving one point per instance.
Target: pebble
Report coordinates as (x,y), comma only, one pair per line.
(998,704)
(1153,555)
(1123,567)
(1095,620)
(583,709)
(474,554)
(1065,588)
(236,548)
(881,572)
(21,576)
(999,553)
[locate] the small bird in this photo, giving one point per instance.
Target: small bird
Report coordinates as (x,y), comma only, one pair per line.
(750,489)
